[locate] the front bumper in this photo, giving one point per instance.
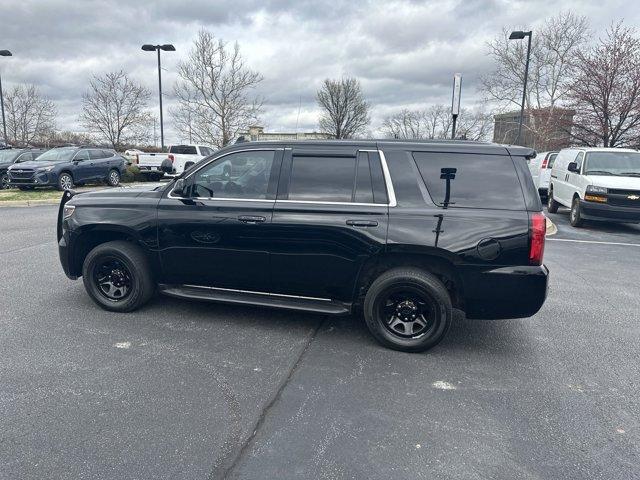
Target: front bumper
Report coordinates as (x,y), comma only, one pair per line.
(609,213)
(37,179)
(507,292)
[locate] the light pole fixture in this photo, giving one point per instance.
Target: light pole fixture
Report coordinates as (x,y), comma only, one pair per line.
(3,53)
(519,35)
(167,47)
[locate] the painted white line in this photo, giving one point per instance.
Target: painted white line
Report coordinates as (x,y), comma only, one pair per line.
(593,241)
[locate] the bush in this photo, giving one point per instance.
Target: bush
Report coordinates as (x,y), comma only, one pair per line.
(131,174)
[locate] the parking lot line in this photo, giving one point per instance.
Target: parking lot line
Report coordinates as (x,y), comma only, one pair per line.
(592,241)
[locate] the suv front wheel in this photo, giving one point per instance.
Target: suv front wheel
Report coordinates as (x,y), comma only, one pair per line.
(408,309)
(117,276)
(65,181)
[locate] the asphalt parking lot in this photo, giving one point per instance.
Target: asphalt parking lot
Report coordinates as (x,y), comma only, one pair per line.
(201,391)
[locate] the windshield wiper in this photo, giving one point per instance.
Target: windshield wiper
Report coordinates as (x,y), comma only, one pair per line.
(599,172)
(631,174)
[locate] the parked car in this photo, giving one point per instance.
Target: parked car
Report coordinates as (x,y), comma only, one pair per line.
(540,168)
(596,184)
(181,158)
(65,167)
(14,155)
(403,231)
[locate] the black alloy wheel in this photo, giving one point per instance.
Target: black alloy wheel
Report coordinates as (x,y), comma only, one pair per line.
(113,279)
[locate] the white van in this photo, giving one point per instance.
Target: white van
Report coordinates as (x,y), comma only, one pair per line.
(596,184)
(540,168)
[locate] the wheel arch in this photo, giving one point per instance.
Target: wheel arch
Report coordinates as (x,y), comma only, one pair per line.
(436,261)
(90,236)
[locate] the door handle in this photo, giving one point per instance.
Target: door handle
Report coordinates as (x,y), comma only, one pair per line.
(251,219)
(362,223)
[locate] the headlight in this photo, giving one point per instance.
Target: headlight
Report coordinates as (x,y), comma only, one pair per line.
(597,190)
(68,211)
(45,169)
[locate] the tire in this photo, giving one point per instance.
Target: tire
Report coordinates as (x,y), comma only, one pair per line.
(113,178)
(4,181)
(575,217)
(393,301)
(65,181)
(552,205)
(126,274)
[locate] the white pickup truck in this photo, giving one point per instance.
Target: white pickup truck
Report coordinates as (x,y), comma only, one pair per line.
(181,156)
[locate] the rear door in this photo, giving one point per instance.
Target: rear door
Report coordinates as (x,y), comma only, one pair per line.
(330,216)
(217,233)
(100,163)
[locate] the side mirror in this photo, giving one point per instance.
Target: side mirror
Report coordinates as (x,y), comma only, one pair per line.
(573,167)
(167,166)
(178,187)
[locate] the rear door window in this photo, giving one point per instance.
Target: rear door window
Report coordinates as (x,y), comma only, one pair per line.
(96,154)
(183,150)
(475,180)
(322,179)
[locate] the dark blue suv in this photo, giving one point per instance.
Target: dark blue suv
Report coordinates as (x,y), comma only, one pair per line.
(64,167)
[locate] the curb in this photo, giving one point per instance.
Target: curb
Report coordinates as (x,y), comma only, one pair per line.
(29,203)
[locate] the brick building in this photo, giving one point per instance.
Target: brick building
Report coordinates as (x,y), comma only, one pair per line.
(543,128)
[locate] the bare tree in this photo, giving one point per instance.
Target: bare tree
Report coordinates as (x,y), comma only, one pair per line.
(606,91)
(345,113)
(436,122)
(215,100)
(30,116)
(114,109)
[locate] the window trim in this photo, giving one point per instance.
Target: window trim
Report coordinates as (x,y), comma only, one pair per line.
(391,196)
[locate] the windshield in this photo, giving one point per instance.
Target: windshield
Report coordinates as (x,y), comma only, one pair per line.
(8,155)
(57,155)
(612,163)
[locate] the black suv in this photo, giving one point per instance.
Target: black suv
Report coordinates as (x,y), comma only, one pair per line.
(63,167)
(403,231)
(9,156)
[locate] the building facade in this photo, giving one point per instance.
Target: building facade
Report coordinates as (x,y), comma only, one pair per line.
(544,129)
(256,133)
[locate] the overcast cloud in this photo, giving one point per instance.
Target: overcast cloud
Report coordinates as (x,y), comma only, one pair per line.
(404,52)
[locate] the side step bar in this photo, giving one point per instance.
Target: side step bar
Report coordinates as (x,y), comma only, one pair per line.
(225,295)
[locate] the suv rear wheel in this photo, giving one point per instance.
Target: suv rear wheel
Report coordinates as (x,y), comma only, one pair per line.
(552,205)
(113,179)
(408,309)
(117,276)
(575,217)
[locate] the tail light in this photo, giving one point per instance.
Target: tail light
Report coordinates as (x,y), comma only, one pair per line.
(537,232)
(171,157)
(544,161)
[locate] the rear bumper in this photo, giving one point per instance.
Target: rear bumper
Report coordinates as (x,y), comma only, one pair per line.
(610,213)
(508,292)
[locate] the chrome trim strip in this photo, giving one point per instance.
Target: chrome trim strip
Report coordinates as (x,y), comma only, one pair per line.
(268,294)
(334,203)
(387,179)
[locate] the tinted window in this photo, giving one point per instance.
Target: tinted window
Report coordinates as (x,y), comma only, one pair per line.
(238,175)
(95,154)
(205,151)
(183,149)
(322,179)
(81,155)
(108,153)
(364,183)
(476,181)
(25,157)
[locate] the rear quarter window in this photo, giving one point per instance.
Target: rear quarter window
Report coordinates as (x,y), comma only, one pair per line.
(479,181)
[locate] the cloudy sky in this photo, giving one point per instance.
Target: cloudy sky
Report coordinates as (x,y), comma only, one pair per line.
(404,52)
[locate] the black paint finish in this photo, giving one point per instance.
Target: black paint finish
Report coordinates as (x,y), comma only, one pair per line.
(330,250)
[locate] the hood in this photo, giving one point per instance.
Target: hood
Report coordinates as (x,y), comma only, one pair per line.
(609,181)
(120,192)
(32,165)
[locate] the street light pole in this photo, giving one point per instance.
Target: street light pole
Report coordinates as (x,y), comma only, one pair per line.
(3,53)
(167,48)
(519,35)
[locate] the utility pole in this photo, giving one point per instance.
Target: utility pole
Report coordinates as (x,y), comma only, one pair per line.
(455,102)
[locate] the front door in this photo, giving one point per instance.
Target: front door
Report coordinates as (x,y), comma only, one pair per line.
(329,218)
(82,168)
(214,234)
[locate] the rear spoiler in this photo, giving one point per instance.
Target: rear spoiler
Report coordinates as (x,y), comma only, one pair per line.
(66,196)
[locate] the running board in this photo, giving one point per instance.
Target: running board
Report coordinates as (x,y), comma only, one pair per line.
(274,300)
